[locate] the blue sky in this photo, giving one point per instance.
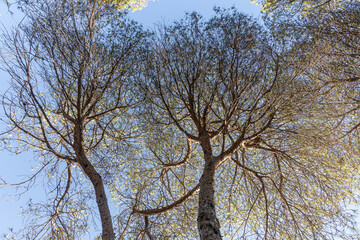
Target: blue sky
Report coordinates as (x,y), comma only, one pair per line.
(169,10)
(14,168)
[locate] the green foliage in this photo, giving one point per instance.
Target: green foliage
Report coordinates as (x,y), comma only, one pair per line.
(127,4)
(288,186)
(79,64)
(279,107)
(302,6)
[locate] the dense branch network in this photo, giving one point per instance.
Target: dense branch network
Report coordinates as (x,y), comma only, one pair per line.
(216,129)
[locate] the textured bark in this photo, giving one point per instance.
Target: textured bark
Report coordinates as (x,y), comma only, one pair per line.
(208,224)
(96,180)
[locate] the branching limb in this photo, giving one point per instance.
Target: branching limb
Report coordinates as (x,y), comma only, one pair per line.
(185,160)
(57,208)
(169,207)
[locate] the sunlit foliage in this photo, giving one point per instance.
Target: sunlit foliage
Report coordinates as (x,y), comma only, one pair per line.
(127,4)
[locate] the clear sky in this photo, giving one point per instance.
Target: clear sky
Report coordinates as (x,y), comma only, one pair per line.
(170,10)
(14,168)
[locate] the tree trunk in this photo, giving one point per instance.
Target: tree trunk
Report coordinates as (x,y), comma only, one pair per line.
(96,180)
(208,224)
(101,199)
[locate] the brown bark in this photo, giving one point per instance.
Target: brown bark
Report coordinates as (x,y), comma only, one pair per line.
(169,207)
(208,224)
(96,180)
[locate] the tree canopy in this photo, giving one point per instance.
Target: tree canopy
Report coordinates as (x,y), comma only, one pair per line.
(213,129)
(118,4)
(71,64)
(127,4)
(303,6)
(254,126)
